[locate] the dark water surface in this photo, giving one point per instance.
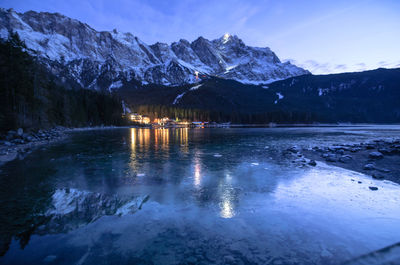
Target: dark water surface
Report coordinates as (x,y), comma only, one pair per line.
(193,196)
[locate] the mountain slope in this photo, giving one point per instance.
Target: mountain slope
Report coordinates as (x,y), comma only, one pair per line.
(106,60)
(370,97)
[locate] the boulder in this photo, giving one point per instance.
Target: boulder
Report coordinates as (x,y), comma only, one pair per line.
(377,176)
(355,149)
(387,151)
(376,155)
(312,163)
(331,158)
(369,167)
(18,141)
(293,149)
(339,151)
(29,138)
(373,188)
(345,158)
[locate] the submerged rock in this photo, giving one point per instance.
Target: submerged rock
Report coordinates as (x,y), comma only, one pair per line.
(355,149)
(377,176)
(369,167)
(345,158)
(386,151)
(331,158)
(375,155)
(370,146)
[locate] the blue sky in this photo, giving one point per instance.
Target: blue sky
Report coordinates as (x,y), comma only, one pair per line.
(323,36)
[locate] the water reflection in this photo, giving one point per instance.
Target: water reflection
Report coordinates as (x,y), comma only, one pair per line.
(143,139)
(197,172)
(227,204)
(227,197)
(184,139)
(166,144)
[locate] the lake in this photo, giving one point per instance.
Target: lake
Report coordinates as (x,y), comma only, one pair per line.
(193,196)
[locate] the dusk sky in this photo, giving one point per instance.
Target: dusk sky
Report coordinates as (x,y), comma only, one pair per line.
(321,36)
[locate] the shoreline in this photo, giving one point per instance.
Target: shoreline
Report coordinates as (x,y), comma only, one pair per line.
(379,158)
(16,144)
(22,145)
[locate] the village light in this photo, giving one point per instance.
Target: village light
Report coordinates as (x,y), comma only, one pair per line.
(146,120)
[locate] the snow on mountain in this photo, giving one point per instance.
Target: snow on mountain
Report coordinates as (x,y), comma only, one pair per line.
(105,60)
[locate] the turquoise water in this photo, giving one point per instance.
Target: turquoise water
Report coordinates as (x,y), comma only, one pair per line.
(193,196)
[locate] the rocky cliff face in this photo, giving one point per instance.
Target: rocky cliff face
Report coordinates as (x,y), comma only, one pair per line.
(109,60)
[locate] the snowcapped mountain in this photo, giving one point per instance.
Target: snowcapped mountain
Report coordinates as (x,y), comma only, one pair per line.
(105,60)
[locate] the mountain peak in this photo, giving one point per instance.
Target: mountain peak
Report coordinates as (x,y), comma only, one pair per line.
(226,37)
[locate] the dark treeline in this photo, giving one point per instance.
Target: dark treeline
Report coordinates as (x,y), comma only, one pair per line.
(158,111)
(32,98)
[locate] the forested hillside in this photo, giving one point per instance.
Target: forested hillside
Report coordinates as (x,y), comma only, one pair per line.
(361,97)
(31,97)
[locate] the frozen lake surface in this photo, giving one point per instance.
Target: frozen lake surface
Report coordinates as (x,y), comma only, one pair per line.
(194,196)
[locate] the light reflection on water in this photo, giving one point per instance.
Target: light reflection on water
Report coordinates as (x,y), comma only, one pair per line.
(227,197)
(197,172)
(143,138)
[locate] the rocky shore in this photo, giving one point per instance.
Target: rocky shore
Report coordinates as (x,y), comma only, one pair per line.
(17,144)
(379,159)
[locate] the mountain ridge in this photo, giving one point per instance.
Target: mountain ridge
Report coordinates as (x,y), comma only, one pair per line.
(74,49)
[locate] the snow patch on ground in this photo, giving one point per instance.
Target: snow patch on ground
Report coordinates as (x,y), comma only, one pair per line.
(280,96)
(196,87)
(178,98)
(114,85)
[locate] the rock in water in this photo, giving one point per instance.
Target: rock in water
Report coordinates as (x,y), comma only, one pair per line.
(293,149)
(377,176)
(345,158)
(375,155)
(369,167)
(331,158)
(312,163)
(373,188)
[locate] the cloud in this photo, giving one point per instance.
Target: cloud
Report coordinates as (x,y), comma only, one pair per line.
(384,63)
(341,67)
(316,67)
